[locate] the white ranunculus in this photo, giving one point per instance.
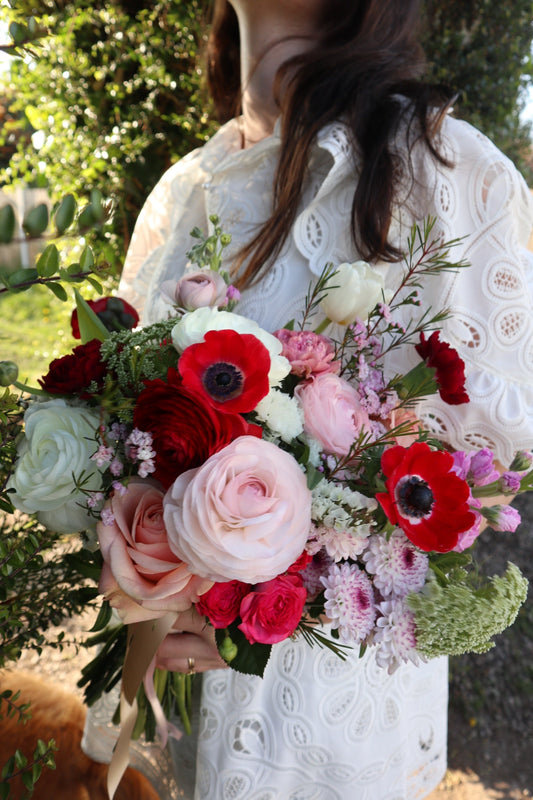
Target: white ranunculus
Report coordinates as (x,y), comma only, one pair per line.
(57,446)
(192,327)
(358,289)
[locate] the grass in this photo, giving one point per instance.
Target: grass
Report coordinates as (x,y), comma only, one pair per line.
(34,329)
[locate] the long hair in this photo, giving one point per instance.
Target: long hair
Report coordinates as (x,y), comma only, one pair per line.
(366,60)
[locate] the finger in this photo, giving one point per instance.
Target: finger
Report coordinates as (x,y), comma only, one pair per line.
(177,649)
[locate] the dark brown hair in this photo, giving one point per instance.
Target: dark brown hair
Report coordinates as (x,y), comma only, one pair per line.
(366,60)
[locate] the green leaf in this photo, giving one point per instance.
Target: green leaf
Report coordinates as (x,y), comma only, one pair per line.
(35,220)
(251,659)
(87,259)
(97,204)
(7,223)
(58,290)
(104,616)
(65,213)
(90,326)
(95,284)
(20,276)
(48,261)
(86,219)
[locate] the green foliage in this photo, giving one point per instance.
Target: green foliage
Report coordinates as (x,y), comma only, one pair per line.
(481,49)
(122,100)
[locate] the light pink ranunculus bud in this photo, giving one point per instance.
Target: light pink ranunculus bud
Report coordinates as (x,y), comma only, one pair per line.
(197,289)
(309,353)
(244,515)
(332,412)
(411,425)
(142,578)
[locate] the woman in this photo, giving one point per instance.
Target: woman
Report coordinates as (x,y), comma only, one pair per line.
(335,153)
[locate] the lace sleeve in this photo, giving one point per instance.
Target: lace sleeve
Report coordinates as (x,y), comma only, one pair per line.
(153,229)
(484,199)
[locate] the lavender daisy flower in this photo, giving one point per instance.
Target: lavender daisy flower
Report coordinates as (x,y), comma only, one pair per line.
(349,602)
(397,565)
(394,636)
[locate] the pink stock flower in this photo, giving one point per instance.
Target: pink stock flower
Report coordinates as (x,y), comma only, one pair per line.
(482,469)
(309,353)
(272,612)
(243,515)
(502,518)
(332,413)
(510,482)
(141,577)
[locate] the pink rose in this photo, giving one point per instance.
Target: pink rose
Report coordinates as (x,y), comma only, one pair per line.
(141,577)
(243,515)
(222,602)
(197,289)
(308,353)
(332,412)
(272,612)
(410,423)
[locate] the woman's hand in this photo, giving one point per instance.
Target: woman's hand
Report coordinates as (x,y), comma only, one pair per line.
(190,647)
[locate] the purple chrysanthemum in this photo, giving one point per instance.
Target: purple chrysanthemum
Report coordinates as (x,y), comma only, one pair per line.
(349,602)
(394,636)
(397,565)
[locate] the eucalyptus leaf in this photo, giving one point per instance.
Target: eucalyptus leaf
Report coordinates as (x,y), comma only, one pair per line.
(7,223)
(48,262)
(58,290)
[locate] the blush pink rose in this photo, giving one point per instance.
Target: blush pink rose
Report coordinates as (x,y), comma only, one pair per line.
(272,612)
(197,289)
(309,353)
(243,515)
(141,577)
(332,412)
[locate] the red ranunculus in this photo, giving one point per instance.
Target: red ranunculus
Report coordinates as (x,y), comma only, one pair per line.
(449,366)
(272,612)
(301,562)
(424,497)
(73,373)
(115,313)
(185,429)
(222,602)
(229,369)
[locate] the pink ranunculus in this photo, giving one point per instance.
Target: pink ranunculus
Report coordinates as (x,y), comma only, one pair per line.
(142,578)
(272,612)
(309,353)
(332,412)
(197,289)
(243,515)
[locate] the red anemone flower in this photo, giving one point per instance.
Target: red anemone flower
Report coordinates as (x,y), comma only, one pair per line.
(116,314)
(449,368)
(229,369)
(424,497)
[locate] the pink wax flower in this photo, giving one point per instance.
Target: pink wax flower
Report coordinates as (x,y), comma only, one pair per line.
(332,412)
(141,577)
(309,353)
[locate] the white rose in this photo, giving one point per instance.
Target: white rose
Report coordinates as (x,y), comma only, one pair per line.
(358,289)
(192,327)
(58,444)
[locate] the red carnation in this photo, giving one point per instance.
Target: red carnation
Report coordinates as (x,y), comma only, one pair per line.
(229,369)
(424,497)
(272,612)
(115,313)
(449,367)
(185,429)
(222,602)
(73,373)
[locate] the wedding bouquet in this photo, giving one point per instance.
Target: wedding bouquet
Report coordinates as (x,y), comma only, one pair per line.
(271,480)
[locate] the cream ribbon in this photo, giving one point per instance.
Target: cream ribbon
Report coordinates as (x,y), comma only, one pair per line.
(144,639)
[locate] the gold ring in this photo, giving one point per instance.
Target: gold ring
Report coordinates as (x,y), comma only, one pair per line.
(190,664)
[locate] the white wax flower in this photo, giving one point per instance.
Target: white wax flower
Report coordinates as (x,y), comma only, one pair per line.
(358,289)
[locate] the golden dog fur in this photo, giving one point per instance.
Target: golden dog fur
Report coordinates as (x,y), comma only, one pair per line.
(60,715)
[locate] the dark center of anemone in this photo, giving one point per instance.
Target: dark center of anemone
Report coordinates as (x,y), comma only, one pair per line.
(223,381)
(415,497)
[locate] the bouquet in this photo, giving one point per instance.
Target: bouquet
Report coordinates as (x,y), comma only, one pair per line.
(269,480)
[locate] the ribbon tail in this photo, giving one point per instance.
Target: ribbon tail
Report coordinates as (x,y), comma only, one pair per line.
(144,639)
(163,726)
